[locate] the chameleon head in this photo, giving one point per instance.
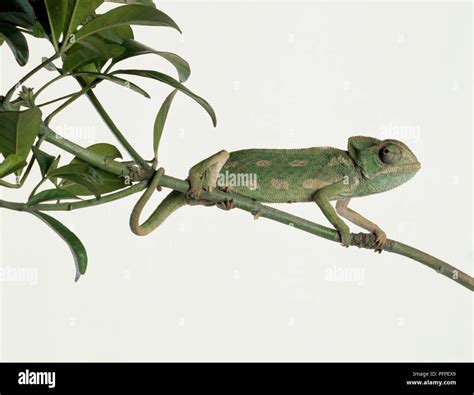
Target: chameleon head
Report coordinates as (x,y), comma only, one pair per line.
(385,163)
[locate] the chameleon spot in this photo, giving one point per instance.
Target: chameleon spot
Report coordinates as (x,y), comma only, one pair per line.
(231,164)
(314,183)
(339,160)
(280,184)
(298,163)
(263,163)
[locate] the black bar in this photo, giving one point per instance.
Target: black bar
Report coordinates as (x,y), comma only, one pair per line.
(454,378)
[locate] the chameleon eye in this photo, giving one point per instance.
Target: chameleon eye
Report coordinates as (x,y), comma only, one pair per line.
(390,154)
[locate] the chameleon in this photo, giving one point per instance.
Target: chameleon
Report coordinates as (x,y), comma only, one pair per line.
(316,174)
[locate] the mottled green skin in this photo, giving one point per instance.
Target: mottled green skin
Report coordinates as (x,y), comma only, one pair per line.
(294,175)
(290,175)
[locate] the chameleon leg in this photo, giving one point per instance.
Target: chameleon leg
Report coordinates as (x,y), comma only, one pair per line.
(322,198)
(171,203)
(344,211)
(204,174)
(227,204)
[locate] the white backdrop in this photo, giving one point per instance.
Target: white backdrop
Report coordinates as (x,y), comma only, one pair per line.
(215,285)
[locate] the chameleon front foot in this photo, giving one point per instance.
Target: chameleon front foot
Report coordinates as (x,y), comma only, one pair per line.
(346,238)
(380,239)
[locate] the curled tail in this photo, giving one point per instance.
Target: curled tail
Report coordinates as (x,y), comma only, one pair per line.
(170,203)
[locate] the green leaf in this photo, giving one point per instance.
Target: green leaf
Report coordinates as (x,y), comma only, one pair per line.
(148,3)
(109,182)
(44,160)
(66,15)
(41,15)
(49,66)
(81,174)
(58,11)
(160,121)
(135,48)
(78,169)
(16,41)
(114,79)
(90,50)
(175,84)
(80,10)
(16,19)
(13,9)
(38,30)
(117,34)
(77,248)
(54,165)
(12,163)
(108,150)
(89,186)
(134,14)
(18,130)
(50,194)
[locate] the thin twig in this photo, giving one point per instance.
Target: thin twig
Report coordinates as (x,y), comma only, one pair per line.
(10,93)
(112,126)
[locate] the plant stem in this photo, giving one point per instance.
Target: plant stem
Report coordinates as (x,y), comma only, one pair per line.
(47,84)
(92,202)
(72,99)
(113,127)
(13,205)
(9,184)
(97,160)
(10,93)
(57,99)
(60,77)
(26,173)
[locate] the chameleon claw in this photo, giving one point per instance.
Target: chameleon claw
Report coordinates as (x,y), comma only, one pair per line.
(226,204)
(256,215)
(346,239)
(193,193)
(380,239)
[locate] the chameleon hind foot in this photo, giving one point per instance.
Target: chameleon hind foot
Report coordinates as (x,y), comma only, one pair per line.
(226,204)
(346,238)
(203,176)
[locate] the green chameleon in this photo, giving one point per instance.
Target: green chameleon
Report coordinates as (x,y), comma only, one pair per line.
(318,174)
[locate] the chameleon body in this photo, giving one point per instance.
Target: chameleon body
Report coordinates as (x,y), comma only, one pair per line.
(318,174)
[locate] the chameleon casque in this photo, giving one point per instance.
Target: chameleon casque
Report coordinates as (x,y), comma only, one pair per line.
(317,174)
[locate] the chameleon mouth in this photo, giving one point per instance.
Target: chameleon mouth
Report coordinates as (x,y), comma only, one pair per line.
(410,168)
(415,166)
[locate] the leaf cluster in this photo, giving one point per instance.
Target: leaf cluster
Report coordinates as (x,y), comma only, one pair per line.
(87,45)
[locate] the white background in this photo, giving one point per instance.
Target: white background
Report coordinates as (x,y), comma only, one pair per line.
(215,285)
